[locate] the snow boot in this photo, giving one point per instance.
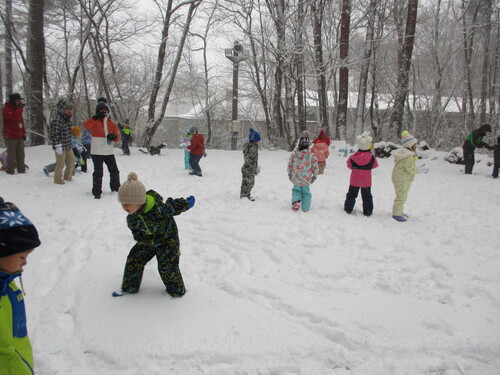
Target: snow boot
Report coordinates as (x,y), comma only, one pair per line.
(399,218)
(296,205)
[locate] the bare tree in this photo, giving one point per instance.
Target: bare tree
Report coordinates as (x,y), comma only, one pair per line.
(298,56)
(345,26)
(403,70)
(7,20)
(317,15)
(169,11)
(485,74)
(35,54)
(365,66)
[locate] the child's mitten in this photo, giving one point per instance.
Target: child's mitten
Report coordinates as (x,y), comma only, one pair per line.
(190,200)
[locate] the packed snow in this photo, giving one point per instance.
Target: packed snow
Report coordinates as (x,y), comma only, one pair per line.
(269,291)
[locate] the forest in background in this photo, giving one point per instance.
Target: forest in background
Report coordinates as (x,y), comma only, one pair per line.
(431,67)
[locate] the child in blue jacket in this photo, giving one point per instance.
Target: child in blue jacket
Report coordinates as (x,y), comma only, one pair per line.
(18,238)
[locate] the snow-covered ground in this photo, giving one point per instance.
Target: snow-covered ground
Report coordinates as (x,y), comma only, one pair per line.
(270,291)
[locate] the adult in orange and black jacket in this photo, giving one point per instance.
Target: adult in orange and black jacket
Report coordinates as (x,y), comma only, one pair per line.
(196,151)
(14,133)
(104,132)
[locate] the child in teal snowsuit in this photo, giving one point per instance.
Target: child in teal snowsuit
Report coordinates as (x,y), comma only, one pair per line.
(18,238)
(153,226)
(185,142)
(303,170)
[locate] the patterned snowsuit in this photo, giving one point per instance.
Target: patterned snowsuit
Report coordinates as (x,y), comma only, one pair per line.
(155,231)
(302,170)
(249,169)
(403,175)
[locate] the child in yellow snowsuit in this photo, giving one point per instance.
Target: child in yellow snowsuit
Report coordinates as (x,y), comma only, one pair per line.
(404,173)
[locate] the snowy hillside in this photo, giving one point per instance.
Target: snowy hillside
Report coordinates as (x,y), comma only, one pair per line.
(269,291)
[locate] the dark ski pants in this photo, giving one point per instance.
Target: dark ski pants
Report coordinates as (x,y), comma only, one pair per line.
(496,166)
(352,194)
(194,160)
(247,184)
(125,142)
(114,173)
(468,158)
(168,267)
(85,156)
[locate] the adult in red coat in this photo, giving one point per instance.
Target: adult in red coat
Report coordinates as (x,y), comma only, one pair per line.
(14,133)
(196,151)
(104,132)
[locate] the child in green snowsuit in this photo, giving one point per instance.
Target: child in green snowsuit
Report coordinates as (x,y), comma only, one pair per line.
(153,227)
(18,238)
(404,173)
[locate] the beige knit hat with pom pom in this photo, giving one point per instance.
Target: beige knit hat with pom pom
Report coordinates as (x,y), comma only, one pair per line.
(132,191)
(364,141)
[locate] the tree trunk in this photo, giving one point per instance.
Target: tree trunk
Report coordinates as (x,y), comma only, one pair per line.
(365,67)
(345,26)
(155,123)
(299,66)
(485,74)
(35,54)
(403,71)
(8,48)
(2,143)
(277,9)
(468,42)
(317,9)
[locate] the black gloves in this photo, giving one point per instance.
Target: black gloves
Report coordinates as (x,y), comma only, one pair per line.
(111,137)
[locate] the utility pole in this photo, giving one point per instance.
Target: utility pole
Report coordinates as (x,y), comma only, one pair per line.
(236,54)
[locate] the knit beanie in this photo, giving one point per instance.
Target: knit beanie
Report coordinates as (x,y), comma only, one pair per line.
(193,130)
(14,97)
(486,128)
(304,143)
(100,107)
(254,136)
(132,191)
(17,233)
(364,141)
(408,140)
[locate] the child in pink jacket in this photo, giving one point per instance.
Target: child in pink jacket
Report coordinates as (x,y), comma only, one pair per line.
(320,149)
(361,164)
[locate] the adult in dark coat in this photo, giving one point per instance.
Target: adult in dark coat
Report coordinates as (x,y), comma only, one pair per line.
(474,139)
(14,133)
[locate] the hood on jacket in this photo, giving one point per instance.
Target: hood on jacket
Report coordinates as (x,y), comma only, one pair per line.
(402,153)
(362,157)
(322,138)
(63,105)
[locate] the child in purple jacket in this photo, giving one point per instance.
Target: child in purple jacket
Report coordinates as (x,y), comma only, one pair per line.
(361,164)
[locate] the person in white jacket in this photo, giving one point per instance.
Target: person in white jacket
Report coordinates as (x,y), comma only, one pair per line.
(104,133)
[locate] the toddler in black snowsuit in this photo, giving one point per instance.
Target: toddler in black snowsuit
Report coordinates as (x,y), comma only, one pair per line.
(153,227)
